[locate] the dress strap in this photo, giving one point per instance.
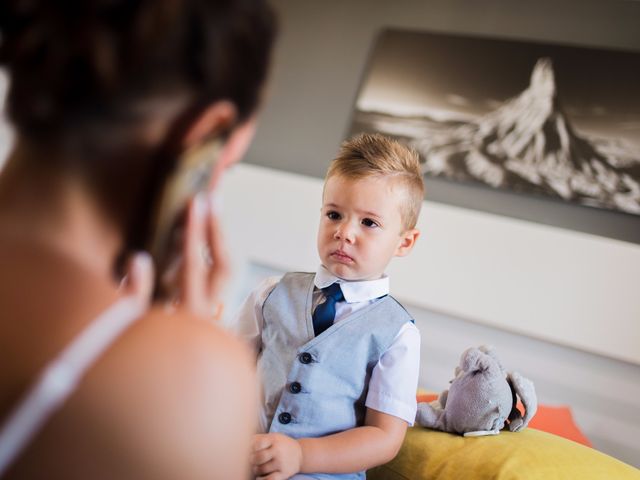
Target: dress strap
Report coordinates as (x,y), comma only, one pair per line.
(59,379)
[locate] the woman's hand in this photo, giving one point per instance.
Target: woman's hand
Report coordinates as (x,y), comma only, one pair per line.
(196,275)
(205,266)
(138,280)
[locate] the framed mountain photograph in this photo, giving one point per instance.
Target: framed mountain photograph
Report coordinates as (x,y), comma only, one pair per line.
(543,119)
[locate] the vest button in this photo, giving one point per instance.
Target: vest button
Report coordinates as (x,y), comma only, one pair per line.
(284,417)
(305,357)
(295,387)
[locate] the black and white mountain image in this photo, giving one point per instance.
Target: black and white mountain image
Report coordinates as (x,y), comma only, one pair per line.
(527,144)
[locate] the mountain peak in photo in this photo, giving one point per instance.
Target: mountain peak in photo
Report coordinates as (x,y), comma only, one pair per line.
(528,144)
(543,82)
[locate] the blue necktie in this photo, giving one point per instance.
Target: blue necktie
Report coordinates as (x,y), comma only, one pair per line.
(325,312)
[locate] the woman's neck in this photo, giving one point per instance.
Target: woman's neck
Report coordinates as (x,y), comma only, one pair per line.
(55,210)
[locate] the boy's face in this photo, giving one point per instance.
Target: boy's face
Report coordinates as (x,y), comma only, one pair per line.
(361,227)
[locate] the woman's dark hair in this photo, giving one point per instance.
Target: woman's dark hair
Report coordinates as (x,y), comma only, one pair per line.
(76,63)
(87,76)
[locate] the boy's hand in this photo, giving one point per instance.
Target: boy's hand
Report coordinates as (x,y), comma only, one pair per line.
(275,456)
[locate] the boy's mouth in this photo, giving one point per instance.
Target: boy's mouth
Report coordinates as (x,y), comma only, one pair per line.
(341,256)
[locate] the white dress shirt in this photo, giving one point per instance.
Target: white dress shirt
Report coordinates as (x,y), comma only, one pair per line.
(394,380)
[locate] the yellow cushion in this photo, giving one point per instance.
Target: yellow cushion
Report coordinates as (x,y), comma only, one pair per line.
(531,454)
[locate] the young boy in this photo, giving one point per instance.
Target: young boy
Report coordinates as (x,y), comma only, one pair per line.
(339,356)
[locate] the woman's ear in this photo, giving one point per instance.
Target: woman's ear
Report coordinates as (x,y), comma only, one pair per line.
(407,241)
(233,149)
(220,118)
(214,120)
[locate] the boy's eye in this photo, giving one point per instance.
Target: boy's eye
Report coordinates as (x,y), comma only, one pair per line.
(331,215)
(367,222)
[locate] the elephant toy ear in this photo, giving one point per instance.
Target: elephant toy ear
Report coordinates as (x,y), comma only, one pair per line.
(490,351)
(471,360)
(523,388)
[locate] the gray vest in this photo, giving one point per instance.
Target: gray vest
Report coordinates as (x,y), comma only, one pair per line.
(316,386)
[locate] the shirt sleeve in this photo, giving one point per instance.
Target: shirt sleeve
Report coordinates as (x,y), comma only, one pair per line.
(248,322)
(394,380)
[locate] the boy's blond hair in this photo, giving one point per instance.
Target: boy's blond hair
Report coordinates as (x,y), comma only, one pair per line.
(374,155)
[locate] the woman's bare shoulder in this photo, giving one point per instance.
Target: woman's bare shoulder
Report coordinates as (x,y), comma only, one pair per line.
(180,393)
(182,338)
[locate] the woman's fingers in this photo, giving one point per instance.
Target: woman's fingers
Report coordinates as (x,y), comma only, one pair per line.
(194,270)
(206,265)
(138,279)
(219,268)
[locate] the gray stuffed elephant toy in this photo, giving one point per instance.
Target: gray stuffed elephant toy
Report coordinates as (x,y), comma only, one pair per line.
(481,399)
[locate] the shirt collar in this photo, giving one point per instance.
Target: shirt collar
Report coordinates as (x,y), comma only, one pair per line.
(353,291)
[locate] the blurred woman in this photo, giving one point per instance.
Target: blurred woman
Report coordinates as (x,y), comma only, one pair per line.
(105,96)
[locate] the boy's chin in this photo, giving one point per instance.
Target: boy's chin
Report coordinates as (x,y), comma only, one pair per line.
(351,275)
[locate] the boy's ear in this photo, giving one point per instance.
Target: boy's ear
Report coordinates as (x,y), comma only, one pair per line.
(407,241)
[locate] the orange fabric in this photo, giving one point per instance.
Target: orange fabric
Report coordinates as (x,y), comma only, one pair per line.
(556,420)
(559,421)
(426,397)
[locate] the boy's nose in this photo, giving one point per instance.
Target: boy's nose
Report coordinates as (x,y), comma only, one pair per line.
(344,232)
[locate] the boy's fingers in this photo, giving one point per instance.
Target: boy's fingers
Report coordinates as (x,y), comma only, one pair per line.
(260,457)
(272,476)
(267,469)
(261,441)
